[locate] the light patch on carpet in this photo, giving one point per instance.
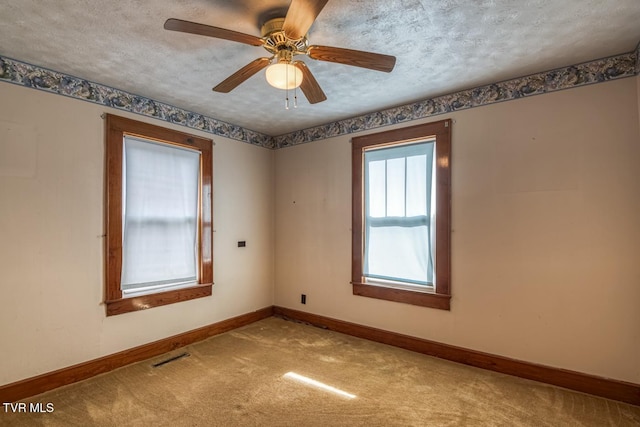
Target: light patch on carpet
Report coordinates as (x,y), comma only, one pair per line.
(318,384)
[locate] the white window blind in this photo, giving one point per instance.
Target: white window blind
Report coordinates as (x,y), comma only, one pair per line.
(399,232)
(160,212)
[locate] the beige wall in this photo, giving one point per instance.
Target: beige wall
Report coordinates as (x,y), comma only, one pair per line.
(545,242)
(51,249)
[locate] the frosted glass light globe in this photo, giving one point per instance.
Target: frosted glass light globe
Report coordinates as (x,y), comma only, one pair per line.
(283,76)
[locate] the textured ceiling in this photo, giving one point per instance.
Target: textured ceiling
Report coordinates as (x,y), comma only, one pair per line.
(441,47)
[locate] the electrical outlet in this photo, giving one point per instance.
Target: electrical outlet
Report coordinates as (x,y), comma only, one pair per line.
(303,299)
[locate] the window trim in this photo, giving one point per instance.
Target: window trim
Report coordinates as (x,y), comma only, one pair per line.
(441,132)
(116,128)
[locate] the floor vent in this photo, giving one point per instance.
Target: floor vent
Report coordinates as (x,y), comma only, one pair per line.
(171,359)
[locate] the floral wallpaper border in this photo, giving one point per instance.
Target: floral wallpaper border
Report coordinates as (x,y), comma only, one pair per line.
(29,75)
(597,71)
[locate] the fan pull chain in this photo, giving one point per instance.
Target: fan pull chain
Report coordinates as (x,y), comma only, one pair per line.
(295,90)
(286,85)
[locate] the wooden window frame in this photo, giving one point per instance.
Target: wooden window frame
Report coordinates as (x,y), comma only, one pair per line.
(116,129)
(440,132)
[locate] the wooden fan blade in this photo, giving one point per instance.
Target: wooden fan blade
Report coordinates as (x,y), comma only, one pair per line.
(241,75)
(357,58)
(309,85)
(300,17)
(207,30)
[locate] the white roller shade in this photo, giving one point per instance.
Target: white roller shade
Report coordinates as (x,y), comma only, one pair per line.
(160,215)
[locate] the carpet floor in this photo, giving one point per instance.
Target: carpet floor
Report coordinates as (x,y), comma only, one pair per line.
(280,373)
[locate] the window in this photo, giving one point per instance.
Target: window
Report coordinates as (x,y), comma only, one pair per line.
(158,217)
(401,215)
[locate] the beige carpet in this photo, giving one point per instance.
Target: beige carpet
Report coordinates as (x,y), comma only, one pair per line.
(239,379)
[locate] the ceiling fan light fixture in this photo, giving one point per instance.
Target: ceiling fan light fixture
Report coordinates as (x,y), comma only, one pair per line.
(284,38)
(284,75)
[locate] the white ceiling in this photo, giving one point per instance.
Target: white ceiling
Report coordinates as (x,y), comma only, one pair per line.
(441,47)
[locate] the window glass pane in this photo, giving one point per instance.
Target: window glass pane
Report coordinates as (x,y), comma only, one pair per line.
(395,187)
(417,185)
(160,212)
(376,193)
(399,253)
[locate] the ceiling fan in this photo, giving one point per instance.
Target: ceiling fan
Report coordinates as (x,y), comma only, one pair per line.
(285,38)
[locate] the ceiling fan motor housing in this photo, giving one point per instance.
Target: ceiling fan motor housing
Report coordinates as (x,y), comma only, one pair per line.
(272,26)
(276,41)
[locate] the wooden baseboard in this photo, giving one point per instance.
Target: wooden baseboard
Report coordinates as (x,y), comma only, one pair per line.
(48,381)
(598,386)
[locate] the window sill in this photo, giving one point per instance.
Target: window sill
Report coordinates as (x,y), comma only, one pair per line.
(424,299)
(143,302)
